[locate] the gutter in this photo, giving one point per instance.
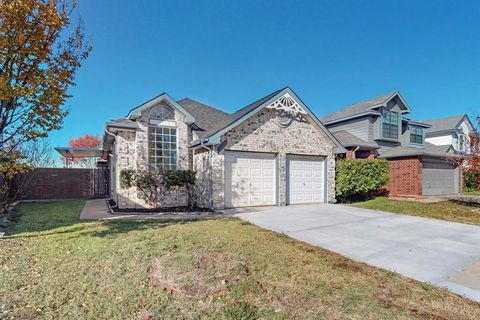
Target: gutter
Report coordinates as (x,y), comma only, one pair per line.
(111,155)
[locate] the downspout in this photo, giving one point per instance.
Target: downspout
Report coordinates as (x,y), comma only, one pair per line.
(111,155)
(354,152)
(210,178)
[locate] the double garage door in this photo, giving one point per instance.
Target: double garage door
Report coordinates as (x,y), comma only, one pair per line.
(251,179)
(439,178)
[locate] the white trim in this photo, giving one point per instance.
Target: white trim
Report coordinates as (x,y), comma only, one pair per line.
(136,112)
(215,138)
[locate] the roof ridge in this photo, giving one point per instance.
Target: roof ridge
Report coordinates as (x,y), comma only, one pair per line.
(449,117)
(264,97)
(203,104)
(358,104)
(374,98)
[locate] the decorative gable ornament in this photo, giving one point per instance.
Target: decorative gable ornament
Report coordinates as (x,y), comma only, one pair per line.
(287,110)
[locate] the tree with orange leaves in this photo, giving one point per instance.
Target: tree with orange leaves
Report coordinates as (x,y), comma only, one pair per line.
(85,141)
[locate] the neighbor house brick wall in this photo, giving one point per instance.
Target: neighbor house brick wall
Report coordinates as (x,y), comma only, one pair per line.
(262,133)
(405,176)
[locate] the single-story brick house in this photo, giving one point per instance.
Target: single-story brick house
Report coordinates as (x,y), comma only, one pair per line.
(274,151)
(379,127)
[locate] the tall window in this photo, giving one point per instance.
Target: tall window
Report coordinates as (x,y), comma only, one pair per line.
(162,148)
(162,139)
(390,124)
(416,135)
(461,142)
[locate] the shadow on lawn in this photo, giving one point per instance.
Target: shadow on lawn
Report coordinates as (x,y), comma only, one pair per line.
(30,220)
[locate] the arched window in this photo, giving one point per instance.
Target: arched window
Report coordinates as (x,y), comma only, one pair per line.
(162,139)
(162,113)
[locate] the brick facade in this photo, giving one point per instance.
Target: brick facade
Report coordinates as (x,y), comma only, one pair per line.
(405,176)
(262,133)
(131,152)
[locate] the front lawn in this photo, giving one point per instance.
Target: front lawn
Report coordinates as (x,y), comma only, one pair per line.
(445,210)
(54,266)
(472,192)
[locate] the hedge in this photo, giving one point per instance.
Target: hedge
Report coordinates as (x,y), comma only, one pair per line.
(471,180)
(359,179)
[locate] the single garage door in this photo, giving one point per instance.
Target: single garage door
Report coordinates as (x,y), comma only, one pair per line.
(249,179)
(439,178)
(305,179)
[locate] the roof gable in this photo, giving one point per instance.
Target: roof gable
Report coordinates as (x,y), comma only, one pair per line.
(448,124)
(136,112)
(367,107)
(295,104)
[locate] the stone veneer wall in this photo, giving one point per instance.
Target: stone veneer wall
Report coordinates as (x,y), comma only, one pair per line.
(131,149)
(201,166)
(261,133)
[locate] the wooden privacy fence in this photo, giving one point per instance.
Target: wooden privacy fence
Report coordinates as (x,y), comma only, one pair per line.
(63,183)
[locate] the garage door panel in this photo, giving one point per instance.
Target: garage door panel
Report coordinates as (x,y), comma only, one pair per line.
(305,179)
(249,179)
(439,178)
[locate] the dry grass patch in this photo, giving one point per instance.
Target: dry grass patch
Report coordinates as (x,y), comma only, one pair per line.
(205,274)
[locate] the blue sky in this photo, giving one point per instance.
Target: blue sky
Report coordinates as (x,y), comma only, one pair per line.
(229,53)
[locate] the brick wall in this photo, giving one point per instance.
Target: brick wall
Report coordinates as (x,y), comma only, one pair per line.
(405,177)
(62,183)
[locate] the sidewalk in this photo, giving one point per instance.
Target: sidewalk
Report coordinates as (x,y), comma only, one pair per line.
(97,210)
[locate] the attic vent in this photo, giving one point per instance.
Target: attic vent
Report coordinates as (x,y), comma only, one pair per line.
(286,105)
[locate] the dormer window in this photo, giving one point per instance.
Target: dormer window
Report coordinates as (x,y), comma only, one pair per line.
(390,124)
(416,135)
(461,142)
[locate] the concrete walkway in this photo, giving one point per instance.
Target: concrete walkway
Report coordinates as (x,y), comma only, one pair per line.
(97,210)
(443,253)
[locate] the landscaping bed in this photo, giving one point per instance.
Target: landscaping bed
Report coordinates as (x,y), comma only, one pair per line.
(54,266)
(454,211)
(170,210)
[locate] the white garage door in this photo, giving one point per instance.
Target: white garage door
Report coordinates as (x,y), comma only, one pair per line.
(249,179)
(439,178)
(305,179)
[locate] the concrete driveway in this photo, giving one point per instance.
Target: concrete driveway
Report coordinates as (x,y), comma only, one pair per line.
(443,253)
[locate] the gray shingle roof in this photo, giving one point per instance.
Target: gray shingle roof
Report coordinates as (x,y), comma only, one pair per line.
(358,108)
(237,115)
(207,118)
(428,150)
(443,124)
(349,140)
(122,123)
(240,113)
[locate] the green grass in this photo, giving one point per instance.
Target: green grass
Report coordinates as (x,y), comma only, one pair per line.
(54,266)
(472,192)
(444,210)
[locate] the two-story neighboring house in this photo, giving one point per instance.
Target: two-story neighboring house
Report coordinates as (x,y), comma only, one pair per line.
(454,131)
(379,127)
